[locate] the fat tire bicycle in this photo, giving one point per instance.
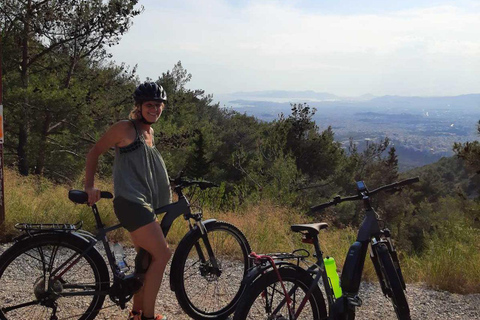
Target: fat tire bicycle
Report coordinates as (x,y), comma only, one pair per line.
(54,271)
(278,287)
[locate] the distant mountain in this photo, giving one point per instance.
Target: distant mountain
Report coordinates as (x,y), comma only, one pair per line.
(276,100)
(282,94)
(464,102)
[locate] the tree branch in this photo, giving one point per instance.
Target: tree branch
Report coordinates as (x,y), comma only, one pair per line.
(55,125)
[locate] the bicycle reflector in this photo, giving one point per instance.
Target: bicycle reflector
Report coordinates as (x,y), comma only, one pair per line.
(306,238)
(331,269)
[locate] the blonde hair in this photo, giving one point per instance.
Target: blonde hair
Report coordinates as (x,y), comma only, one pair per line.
(135,112)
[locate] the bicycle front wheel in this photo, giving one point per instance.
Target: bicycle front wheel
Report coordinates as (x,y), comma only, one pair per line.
(203,291)
(393,283)
(30,290)
(265,298)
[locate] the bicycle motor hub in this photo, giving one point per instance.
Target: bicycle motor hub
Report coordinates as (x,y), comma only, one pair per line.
(52,292)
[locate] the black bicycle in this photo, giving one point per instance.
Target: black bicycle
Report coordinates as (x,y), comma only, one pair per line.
(279,288)
(54,271)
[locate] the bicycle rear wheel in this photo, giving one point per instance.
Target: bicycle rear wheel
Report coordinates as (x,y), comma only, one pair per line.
(265,298)
(393,283)
(28,292)
(202,291)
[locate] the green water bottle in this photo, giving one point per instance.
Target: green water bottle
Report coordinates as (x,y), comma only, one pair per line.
(331,268)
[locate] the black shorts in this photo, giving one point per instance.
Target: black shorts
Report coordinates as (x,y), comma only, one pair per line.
(132,215)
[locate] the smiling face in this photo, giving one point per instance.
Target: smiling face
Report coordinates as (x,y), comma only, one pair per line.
(151,110)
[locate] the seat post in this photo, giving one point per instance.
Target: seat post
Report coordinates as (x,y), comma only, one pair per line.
(96,214)
(316,245)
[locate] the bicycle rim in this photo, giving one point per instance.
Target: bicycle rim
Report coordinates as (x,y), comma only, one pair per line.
(265,298)
(206,294)
(24,279)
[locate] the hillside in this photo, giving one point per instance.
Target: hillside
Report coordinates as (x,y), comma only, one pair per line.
(452,177)
(423,129)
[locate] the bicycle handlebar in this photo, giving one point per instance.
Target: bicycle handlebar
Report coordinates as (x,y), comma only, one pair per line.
(79,196)
(336,200)
(395,185)
(183,183)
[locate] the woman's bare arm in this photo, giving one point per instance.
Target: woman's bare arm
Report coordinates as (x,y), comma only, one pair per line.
(114,135)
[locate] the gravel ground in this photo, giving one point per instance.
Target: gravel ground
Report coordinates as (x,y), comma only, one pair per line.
(424,303)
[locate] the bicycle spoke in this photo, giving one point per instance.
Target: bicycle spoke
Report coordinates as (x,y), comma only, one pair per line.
(28,278)
(68,262)
(271,302)
(211,287)
(190,267)
(52,259)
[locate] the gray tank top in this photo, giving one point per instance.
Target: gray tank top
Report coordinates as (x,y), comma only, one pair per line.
(139,174)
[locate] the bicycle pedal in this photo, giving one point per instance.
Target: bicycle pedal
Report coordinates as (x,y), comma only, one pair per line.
(354,301)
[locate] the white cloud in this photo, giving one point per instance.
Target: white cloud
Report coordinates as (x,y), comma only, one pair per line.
(272,45)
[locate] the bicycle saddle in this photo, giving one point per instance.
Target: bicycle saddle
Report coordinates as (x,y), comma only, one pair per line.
(79,196)
(313,228)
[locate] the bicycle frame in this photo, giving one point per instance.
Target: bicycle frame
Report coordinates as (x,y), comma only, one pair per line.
(61,250)
(172,212)
(369,234)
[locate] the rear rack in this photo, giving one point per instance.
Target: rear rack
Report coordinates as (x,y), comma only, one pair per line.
(33,227)
(299,255)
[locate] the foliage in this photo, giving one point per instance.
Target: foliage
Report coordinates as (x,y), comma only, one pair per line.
(61,96)
(470,152)
(54,49)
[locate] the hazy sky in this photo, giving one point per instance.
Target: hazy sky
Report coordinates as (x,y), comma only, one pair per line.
(344,47)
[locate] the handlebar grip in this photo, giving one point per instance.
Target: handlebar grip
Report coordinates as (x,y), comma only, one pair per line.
(321,207)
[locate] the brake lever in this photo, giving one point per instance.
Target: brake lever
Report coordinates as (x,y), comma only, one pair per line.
(178,179)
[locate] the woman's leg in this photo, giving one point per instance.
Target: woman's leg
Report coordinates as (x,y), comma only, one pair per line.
(150,237)
(137,297)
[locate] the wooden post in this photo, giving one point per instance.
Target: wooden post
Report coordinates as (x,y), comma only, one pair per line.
(2,176)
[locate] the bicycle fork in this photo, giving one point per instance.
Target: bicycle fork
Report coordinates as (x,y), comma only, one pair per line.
(212,259)
(376,263)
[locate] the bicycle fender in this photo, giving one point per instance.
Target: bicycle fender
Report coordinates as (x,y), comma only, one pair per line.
(62,236)
(70,237)
(184,242)
(207,222)
(256,272)
(79,233)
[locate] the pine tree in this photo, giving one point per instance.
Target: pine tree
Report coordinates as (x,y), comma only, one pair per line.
(392,165)
(197,164)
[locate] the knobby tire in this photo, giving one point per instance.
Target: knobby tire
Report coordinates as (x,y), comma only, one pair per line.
(396,292)
(201,293)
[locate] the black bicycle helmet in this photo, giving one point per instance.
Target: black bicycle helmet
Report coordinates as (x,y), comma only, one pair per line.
(149,91)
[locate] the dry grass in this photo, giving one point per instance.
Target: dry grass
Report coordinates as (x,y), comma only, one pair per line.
(451,262)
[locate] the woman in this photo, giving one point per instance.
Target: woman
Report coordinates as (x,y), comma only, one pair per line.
(140,184)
